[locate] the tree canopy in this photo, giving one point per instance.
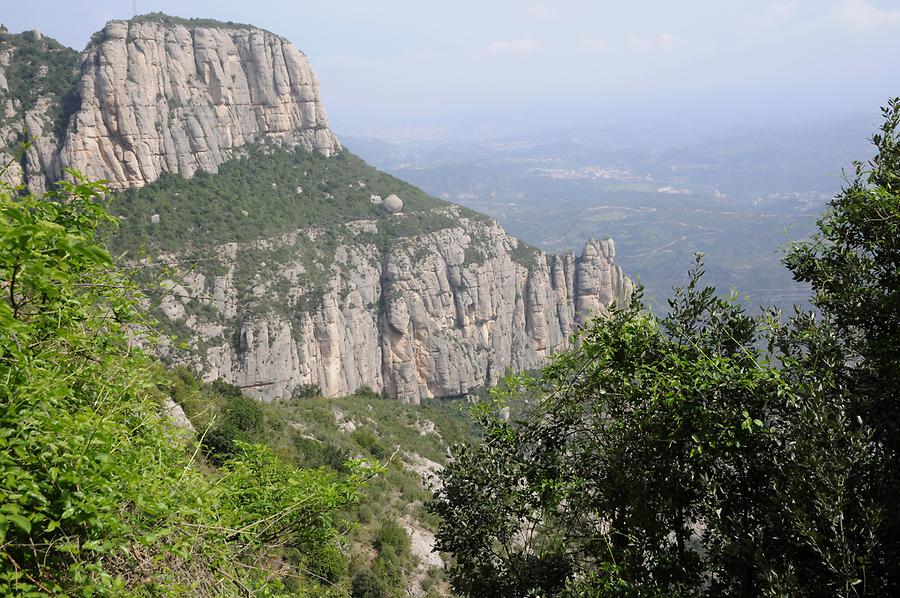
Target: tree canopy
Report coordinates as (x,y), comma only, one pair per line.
(706,452)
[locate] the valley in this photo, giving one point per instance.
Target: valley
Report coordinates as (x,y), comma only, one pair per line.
(738,196)
(244,355)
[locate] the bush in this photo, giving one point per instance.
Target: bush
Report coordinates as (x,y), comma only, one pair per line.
(392,536)
(368,441)
(313,453)
(306,391)
(327,563)
(241,419)
(367,585)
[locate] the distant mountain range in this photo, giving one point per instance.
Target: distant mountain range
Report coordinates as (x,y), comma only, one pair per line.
(662,190)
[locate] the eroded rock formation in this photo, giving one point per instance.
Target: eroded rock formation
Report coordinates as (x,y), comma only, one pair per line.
(156,96)
(414,322)
(426,314)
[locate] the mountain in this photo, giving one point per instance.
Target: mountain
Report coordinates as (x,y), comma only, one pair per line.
(287,261)
(160,94)
(38,83)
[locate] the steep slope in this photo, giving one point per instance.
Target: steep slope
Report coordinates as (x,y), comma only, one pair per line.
(37,95)
(289,262)
(338,292)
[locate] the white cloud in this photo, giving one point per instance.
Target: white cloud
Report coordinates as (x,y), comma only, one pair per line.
(515,46)
(861,15)
(592,45)
(667,41)
(664,41)
(781,11)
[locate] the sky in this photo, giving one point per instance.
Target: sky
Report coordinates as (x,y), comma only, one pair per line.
(427,67)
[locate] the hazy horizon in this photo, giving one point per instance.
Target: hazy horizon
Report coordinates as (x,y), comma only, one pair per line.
(477,68)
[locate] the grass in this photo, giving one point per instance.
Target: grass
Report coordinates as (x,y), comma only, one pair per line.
(307,433)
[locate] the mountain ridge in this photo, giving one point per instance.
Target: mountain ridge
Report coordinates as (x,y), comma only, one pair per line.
(297,272)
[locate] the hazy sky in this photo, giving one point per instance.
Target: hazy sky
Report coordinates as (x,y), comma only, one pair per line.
(521,63)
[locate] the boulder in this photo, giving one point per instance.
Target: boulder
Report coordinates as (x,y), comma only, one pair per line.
(392,203)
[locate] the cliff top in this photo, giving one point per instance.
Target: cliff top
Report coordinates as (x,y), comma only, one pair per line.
(160,17)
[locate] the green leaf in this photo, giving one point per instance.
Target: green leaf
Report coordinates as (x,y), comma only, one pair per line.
(23,523)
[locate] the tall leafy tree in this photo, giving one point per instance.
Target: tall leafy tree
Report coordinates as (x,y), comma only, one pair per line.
(853,266)
(631,472)
(686,456)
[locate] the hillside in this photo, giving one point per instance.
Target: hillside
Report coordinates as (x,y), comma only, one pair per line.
(282,266)
(391,536)
(284,270)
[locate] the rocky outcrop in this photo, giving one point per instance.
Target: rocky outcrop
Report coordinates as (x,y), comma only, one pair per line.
(33,125)
(411,312)
(420,320)
(166,95)
(36,73)
(159,97)
(392,203)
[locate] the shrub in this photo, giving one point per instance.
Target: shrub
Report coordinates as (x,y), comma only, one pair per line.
(368,441)
(327,563)
(392,536)
(241,419)
(306,391)
(367,585)
(313,453)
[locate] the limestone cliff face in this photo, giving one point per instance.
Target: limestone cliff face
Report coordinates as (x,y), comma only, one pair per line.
(36,76)
(34,125)
(159,96)
(409,311)
(419,320)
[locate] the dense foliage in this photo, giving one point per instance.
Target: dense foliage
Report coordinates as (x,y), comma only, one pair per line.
(99,494)
(313,432)
(707,452)
(269,192)
(853,266)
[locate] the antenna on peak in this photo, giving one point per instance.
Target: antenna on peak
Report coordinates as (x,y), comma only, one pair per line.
(134,7)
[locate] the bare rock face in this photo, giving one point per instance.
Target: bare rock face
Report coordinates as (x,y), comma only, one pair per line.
(417,321)
(159,97)
(156,96)
(413,314)
(35,126)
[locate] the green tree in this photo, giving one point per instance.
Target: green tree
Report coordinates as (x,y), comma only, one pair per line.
(707,452)
(641,459)
(853,267)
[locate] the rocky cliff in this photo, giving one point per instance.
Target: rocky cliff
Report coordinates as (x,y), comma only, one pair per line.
(37,92)
(159,94)
(413,321)
(284,266)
